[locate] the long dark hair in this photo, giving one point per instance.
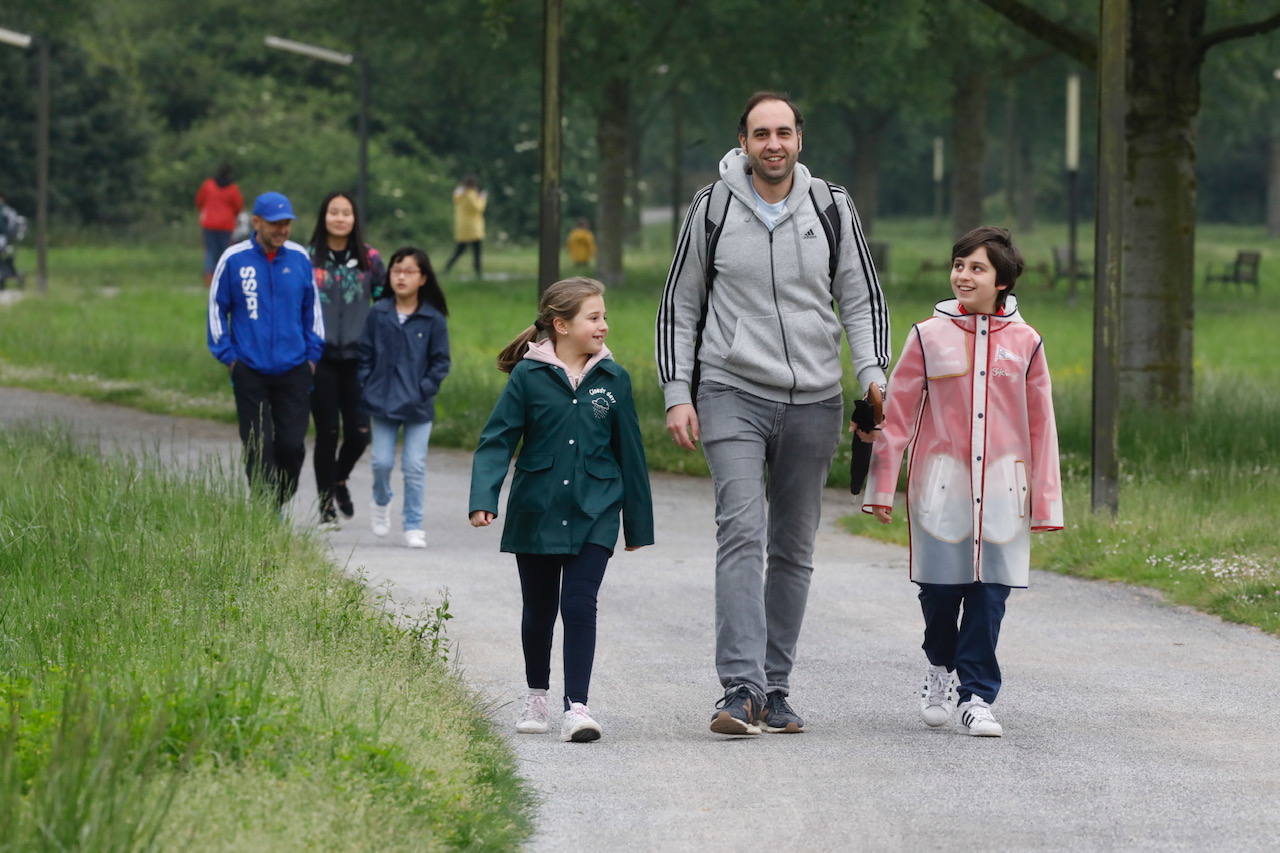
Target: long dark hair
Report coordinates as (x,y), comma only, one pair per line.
(564,300)
(429,291)
(355,242)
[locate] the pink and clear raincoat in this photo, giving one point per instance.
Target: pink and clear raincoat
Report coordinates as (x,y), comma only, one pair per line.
(970,400)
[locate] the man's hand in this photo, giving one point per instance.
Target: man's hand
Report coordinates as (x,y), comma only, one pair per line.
(682,423)
(231,368)
(883,514)
(480,518)
(313,367)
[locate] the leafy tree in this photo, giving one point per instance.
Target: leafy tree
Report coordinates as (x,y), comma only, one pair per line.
(1168,43)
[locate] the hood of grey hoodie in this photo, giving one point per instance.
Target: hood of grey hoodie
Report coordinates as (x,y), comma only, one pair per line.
(770,326)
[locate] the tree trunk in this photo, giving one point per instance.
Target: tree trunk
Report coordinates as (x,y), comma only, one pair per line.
(968,146)
(635,192)
(865,128)
(1273,188)
(612,133)
(1158,297)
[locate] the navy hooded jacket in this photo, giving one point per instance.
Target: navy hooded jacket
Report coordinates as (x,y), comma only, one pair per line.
(403,364)
(264,313)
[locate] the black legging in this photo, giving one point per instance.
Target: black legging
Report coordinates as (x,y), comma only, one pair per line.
(457,253)
(336,398)
(575,597)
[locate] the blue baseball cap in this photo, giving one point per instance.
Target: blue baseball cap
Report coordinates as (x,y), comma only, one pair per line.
(273,207)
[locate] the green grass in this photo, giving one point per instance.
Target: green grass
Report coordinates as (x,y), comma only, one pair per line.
(180,670)
(1194,490)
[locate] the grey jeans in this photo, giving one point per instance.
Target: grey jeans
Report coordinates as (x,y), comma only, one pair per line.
(769,462)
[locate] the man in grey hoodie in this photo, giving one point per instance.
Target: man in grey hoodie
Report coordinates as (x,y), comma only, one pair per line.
(748,351)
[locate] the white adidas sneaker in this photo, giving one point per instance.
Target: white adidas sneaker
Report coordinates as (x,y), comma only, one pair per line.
(938,696)
(976,719)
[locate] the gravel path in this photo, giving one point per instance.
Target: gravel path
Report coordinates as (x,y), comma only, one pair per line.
(1129,724)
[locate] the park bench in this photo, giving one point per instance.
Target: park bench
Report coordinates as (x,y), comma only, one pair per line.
(1084,268)
(1244,270)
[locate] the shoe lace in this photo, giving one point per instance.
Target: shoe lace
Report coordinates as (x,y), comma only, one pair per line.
(778,703)
(535,705)
(733,696)
(937,687)
(580,711)
(980,712)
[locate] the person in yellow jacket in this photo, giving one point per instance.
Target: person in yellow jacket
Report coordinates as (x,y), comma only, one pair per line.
(468,220)
(581,244)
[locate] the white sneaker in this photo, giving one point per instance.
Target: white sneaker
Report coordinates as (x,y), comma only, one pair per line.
(938,696)
(415,539)
(380,519)
(577,725)
(534,717)
(976,719)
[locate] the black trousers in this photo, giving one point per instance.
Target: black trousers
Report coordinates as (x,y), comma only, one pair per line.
(457,253)
(273,426)
(567,583)
(335,406)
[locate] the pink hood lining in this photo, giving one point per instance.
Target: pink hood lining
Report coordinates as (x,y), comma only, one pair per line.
(545,352)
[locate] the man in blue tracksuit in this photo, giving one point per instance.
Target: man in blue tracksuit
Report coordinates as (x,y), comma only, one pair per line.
(266,325)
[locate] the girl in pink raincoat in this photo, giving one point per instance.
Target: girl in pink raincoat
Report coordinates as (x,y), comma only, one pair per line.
(970,399)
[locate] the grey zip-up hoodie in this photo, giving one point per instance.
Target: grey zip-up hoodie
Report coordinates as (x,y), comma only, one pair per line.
(770,329)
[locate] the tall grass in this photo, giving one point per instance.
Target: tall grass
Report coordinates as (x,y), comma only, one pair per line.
(181,670)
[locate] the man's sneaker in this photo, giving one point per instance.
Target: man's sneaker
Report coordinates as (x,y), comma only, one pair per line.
(415,539)
(534,717)
(328,517)
(343,498)
(736,712)
(776,716)
(577,726)
(937,696)
(380,519)
(976,719)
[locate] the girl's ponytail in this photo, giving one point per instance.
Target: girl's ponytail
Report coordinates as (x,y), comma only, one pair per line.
(514,351)
(561,300)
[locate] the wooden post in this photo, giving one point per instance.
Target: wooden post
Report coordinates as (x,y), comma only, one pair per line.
(42,167)
(1073,180)
(549,195)
(1108,248)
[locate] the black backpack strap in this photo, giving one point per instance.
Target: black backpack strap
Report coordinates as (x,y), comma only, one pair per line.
(717,203)
(824,203)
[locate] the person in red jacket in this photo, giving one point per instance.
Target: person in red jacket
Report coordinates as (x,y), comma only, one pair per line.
(219,202)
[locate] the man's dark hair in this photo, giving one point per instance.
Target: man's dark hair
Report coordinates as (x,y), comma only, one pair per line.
(1005,257)
(758,98)
(222,175)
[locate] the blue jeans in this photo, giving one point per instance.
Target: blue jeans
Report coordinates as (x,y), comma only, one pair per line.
(215,243)
(413,462)
(970,647)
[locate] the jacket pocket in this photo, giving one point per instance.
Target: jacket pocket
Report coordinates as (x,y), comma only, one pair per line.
(1005,509)
(603,486)
(757,355)
(529,489)
(813,345)
(942,508)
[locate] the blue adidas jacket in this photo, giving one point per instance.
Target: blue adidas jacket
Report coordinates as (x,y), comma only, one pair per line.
(265,313)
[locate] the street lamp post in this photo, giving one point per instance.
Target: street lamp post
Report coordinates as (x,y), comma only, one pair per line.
(1073,176)
(362,126)
(22,40)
